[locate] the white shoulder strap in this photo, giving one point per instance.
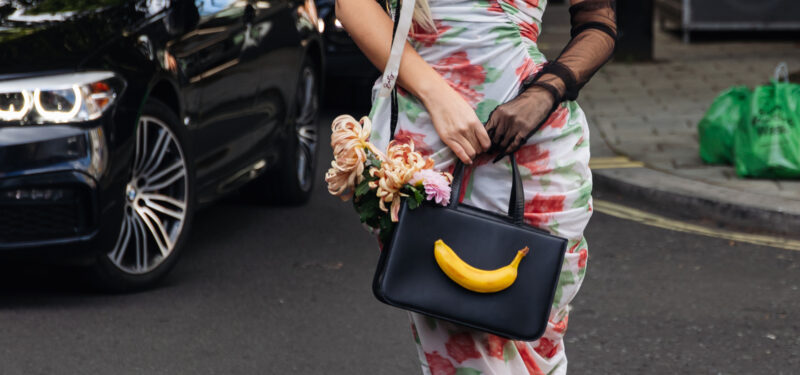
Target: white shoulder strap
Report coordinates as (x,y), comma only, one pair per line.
(389,77)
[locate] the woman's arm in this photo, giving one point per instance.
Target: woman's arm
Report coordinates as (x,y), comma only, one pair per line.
(454,120)
(594,33)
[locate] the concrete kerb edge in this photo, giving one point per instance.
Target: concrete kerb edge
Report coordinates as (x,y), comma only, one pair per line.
(728,214)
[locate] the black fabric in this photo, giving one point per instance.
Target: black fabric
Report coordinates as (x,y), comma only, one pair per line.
(594,25)
(594,35)
(408,276)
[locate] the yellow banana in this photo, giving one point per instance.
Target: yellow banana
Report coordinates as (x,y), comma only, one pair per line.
(474,279)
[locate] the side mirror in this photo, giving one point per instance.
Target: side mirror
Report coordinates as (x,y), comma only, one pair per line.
(183,17)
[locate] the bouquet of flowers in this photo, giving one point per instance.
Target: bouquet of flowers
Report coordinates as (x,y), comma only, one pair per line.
(376,181)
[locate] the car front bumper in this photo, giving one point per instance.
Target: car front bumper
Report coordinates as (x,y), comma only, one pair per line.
(50,184)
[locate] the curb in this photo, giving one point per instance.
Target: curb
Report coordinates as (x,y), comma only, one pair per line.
(695,200)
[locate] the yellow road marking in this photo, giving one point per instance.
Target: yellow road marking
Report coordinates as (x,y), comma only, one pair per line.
(614,162)
(647,218)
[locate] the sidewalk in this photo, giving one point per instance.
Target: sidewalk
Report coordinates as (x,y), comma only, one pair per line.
(648,112)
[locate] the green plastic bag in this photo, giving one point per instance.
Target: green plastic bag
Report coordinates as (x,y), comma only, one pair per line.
(716,129)
(768,144)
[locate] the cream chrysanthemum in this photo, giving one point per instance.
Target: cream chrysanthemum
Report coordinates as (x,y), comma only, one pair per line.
(350,144)
(398,168)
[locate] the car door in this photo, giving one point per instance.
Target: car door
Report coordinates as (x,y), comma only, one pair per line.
(278,34)
(227,85)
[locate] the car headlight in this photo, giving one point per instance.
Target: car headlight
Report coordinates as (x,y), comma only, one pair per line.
(61,98)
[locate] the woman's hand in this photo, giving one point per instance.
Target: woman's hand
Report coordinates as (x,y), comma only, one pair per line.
(512,123)
(454,120)
(456,123)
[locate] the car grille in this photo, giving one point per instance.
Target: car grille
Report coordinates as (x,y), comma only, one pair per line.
(47,213)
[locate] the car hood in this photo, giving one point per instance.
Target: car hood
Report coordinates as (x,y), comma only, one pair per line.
(40,35)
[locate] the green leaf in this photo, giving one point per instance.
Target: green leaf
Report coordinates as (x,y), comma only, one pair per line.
(537,56)
(386,228)
(485,108)
(367,208)
(450,34)
(410,107)
(584,194)
(545,181)
(467,371)
(508,8)
(386,223)
(509,351)
(506,32)
(372,161)
(412,203)
(431,322)
(553,371)
(470,185)
(362,188)
(567,171)
(492,74)
(566,278)
(418,196)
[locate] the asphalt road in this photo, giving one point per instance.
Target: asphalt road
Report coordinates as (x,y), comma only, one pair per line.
(276,290)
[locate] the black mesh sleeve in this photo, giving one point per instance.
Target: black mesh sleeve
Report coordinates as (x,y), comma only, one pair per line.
(594,34)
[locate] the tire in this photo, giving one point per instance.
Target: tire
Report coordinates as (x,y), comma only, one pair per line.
(158,205)
(292,182)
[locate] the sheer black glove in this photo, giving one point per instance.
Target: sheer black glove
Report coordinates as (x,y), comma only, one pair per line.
(594,34)
(512,123)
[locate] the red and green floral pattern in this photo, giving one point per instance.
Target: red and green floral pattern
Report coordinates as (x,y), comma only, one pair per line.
(485,49)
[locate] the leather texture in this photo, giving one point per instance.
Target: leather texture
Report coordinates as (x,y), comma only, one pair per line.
(408,276)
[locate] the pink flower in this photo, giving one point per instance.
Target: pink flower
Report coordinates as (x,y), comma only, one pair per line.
(436,184)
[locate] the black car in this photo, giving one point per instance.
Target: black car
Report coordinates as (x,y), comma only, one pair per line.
(118,119)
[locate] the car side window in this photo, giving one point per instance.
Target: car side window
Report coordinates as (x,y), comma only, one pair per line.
(220,8)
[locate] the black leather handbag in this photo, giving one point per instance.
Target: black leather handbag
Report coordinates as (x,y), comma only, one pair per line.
(409,277)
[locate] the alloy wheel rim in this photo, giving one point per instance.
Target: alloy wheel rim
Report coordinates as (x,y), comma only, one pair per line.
(306,129)
(155,200)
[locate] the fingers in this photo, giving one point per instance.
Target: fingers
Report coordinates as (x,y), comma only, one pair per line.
(459,151)
(472,139)
(511,148)
(483,137)
(491,126)
(515,145)
(507,137)
(498,136)
(468,133)
(470,151)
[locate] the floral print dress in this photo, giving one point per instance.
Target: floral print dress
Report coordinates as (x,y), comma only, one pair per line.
(484,49)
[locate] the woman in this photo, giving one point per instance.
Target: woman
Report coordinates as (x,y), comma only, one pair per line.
(466,62)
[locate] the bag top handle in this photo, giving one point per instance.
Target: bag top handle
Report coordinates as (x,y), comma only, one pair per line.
(516,202)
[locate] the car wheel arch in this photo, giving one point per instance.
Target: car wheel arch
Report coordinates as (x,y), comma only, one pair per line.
(314,51)
(165,91)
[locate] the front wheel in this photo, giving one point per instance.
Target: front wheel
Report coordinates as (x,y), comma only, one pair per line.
(158,205)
